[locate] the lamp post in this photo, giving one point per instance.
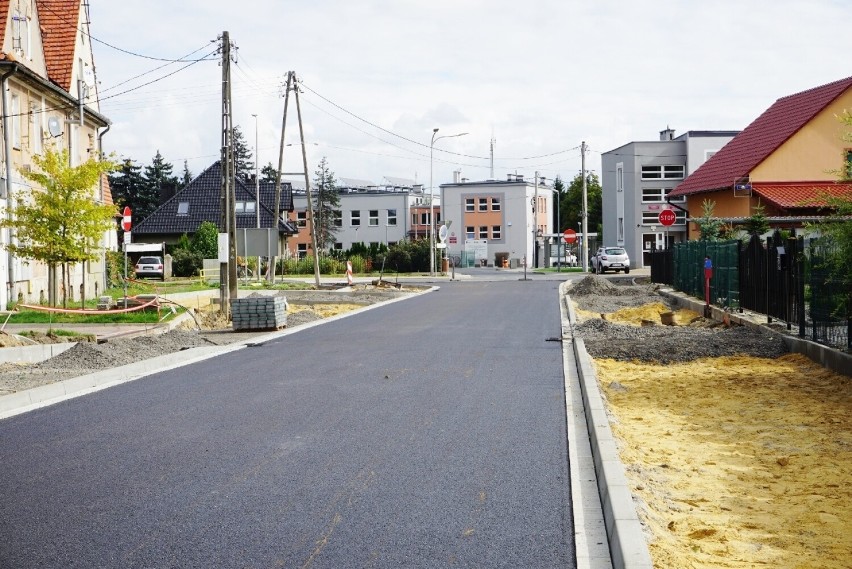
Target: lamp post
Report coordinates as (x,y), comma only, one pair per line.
(256,179)
(432,198)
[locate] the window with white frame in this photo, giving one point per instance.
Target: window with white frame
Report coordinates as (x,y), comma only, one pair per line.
(495,204)
(470,204)
(374,218)
(413,219)
(483,204)
(183,208)
(496,232)
(391,218)
(337,218)
(355,218)
(469,232)
(35,128)
(424,218)
(483,232)
(653,217)
(619,178)
(659,195)
(302,250)
(244,208)
(663,172)
(301,219)
(620,229)
(15,117)
(338,246)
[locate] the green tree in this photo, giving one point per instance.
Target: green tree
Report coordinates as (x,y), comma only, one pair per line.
(186,176)
(268,173)
(559,188)
(159,180)
(571,204)
(243,163)
(126,184)
(60,225)
(709,226)
(326,202)
(205,241)
(757,224)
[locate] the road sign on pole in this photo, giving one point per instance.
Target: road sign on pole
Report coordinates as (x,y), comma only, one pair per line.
(125,219)
(569,235)
(667,217)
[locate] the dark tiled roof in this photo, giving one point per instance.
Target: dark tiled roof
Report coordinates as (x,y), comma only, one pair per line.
(202,195)
(760,139)
(58,19)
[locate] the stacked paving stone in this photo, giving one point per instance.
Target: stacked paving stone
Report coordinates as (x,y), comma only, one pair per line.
(259,313)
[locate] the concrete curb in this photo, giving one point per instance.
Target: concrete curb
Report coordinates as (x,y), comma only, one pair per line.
(628,546)
(829,358)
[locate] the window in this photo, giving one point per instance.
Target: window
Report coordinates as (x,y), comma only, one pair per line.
(495,204)
(338,246)
(337,217)
(483,232)
(413,219)
(424,218)
(392,217)
(659,195)
(302,250)
(35,128)
(483,204)
(244,208)
(16,121)
(666,172)
(301,219)
(653,217)
(848,164)
(355,218)
(469,204)
(619,177)
(469,232)
(374,218)
(620,229)
(496,232)
(183,208)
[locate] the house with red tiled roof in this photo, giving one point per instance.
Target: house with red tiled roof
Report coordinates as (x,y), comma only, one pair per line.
(49,99)
(787,161)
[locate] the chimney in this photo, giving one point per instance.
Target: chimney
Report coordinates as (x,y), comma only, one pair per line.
(456,176)
(667,134)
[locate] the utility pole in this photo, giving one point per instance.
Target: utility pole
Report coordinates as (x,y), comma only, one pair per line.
(307,186)
(288,88)
(585,209)
(227,270)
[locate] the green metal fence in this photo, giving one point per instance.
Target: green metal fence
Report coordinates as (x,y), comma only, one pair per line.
(689,270)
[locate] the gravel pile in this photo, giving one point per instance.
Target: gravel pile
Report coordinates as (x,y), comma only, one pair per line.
(663,344)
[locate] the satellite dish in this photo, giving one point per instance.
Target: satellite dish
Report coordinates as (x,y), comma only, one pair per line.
(53,127)
(88,76)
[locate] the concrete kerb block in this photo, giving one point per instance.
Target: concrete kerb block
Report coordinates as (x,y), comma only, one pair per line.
(627,544)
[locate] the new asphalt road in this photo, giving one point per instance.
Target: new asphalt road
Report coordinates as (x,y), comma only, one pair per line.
(425,433)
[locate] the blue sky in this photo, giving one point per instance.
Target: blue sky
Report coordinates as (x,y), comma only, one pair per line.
(539,76)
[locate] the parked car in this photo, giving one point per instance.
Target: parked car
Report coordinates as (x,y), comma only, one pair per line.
(567,260)
(610,258)
(151,267)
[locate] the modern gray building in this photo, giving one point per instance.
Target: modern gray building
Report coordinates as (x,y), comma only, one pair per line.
(636,180)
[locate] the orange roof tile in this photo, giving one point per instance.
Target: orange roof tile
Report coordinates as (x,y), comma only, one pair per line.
(801,195)
(106,191)
(59,20)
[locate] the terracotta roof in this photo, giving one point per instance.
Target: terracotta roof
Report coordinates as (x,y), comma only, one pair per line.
(202,197)
(800,195)
(4,13)
(59,20)
(106,192)
(760,139)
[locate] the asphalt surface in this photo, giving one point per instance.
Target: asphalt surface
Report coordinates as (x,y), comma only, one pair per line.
(426,433)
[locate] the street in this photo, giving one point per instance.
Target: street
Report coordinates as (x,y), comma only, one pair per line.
(425,433)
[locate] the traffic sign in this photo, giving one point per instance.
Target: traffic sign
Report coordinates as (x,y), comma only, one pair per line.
(667,217)
(125,219)
(569,235)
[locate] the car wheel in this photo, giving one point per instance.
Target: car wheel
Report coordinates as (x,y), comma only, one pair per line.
(627,270)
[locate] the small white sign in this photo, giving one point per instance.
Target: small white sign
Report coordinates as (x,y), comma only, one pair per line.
(440,245)
(222,248)
(127,240)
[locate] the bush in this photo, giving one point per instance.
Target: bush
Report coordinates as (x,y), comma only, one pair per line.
(186,263)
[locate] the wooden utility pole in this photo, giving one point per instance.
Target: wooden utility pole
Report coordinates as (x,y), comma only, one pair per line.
(227,270)
(307,186)
(270,276)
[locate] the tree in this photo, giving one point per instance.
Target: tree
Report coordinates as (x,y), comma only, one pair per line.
(205,240)
(244,167)
(126,184)
(326,202)
(159,182)
(269,173)
(709,226)
(571,206)
(757,224)
(186,176)
(559,188)
(61,224)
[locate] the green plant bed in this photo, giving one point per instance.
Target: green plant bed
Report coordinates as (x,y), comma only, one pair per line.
(70,334)
(138,317)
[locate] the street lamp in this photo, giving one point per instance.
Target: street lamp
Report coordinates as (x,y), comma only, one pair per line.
(256,179)
(432,199)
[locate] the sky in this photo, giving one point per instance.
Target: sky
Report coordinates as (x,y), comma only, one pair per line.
(539,77)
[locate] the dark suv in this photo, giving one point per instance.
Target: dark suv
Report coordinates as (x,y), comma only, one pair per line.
(149,267)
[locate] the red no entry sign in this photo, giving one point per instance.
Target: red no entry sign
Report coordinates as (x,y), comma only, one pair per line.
(667,217)
(569,235)
(125,219)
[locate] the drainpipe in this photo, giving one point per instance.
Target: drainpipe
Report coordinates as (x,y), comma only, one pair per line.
(7,155)
(105,279)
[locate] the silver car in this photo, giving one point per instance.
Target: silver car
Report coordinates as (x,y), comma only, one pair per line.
(612,259)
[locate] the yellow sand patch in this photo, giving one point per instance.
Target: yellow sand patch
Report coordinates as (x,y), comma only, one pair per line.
(635,315)
(324,310)
(737,461)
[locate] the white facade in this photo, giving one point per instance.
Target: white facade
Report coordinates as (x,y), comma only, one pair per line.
(506,214)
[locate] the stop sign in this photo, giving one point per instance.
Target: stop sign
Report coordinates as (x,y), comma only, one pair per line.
(667,217)
(125,219)
(569,235)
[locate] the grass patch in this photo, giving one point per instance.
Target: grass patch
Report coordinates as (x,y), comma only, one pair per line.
(60,332)
(138,317)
